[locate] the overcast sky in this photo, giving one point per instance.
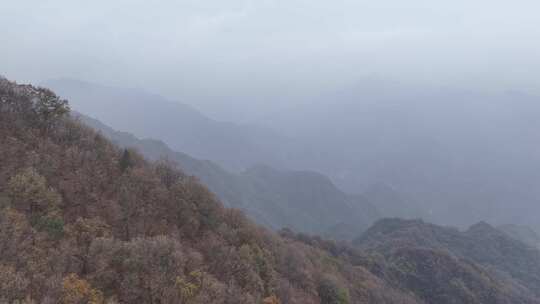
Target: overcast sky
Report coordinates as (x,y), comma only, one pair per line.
(236,50)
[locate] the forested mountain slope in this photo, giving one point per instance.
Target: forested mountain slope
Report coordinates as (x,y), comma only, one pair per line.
(303,201)
(462,155)
(420,141)
(83,221)
(504,257)
(182,127)
(522,233)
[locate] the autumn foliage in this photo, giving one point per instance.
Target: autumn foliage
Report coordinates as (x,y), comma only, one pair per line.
(83,221)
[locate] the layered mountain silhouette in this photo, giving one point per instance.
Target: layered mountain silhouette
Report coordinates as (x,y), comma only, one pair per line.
(522,233)
(455,157)
(481,247)
(85,221)
(304,201)
(460,156)
(182,127)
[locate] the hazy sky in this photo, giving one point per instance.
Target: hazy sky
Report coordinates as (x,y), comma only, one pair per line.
(237,50)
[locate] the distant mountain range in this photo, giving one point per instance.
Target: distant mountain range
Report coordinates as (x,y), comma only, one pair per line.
(428,254)
(182,127)
(84,220)
(455,157)
(461,156)
(300,200)
(522,233)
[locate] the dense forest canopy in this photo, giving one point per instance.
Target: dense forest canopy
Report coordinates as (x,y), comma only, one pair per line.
(269,152)
(454,157)
(85,221)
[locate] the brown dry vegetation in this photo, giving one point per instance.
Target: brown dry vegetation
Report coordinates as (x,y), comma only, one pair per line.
(83,221)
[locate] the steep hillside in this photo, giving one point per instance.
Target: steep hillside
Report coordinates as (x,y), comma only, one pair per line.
(461,155)
(434,274)
(83,221)
(522,233)
(230,146)
(421,142)
(500,255)
(182,127)
(303,201)
(310,202)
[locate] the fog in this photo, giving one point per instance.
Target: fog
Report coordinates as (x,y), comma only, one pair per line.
(435,99)
(230,58)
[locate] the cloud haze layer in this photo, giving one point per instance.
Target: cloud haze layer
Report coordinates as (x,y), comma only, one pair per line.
(367,88)
(243,51)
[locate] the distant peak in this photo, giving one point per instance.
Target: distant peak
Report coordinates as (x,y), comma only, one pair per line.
(391,224)
(481,227)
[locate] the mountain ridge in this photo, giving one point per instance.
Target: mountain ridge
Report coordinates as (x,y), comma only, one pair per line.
(85,221)
(265,193)
(499,253)
(231,145)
